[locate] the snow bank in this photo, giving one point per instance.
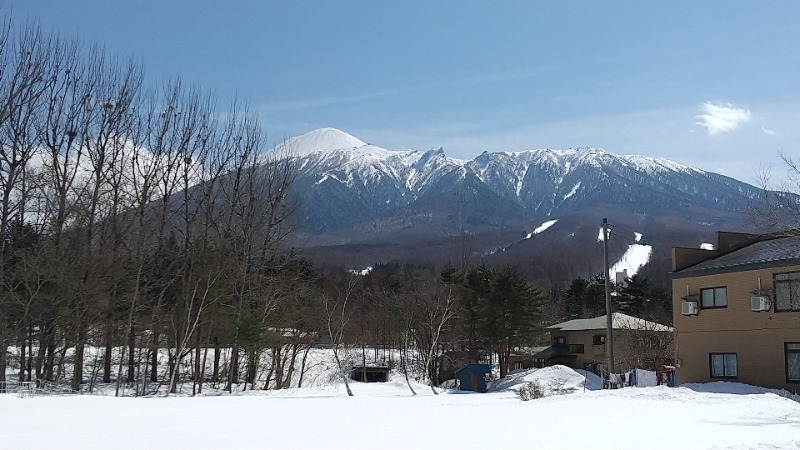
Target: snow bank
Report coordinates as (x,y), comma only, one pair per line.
(554,379)
(593,380)
(728,387)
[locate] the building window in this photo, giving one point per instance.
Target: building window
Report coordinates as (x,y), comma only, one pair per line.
(560,340)
(576,348)
(714,297)
(787,291)
(599,339)
(723,365)
(792,351)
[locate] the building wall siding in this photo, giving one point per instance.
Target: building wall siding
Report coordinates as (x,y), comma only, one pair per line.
(756,337)
(591,353)
(624,343)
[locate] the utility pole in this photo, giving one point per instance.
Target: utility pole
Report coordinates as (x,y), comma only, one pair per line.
(609,312)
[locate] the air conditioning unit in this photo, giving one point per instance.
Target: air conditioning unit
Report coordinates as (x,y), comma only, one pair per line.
(689,308)
(759,303)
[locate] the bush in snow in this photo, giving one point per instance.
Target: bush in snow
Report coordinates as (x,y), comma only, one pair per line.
(559,389)
(530,390)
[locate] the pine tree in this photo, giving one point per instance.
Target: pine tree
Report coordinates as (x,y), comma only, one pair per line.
(506,311)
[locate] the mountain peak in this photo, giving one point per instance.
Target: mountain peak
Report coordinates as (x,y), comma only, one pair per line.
(321,139)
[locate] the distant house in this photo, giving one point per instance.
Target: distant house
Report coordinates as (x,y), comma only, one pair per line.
(581,343)
(736,310)
(451,362)
(527,359)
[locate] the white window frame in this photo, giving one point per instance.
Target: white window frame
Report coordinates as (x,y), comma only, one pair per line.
(787,291)
(723,365)
(792,353)
(718,297)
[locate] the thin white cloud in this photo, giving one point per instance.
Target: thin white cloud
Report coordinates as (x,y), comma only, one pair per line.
(768,132)
(481,79)
(301,104)
(722,117)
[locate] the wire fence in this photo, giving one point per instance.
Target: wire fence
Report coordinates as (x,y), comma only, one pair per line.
(38,388)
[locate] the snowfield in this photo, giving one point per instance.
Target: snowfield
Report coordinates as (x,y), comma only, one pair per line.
(388,416)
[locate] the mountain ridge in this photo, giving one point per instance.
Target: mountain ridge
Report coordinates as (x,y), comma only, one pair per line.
(367,204)
(541,181)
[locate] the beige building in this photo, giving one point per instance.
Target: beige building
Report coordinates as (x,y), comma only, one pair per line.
(736,311)
(581,343)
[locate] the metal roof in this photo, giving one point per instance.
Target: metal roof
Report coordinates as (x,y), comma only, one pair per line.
(785,250)
(619,322)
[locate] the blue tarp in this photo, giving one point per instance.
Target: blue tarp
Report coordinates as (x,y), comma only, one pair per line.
(474,377)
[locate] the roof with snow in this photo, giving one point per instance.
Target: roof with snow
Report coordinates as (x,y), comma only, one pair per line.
(619,322)
(778,251)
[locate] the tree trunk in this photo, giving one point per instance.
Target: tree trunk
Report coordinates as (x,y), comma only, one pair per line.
(50,360)
(404,363)
(252,367)
(345,377)
(233,369)
(107,355)
(196,376)
(41,355)
(94,373)
(22,362)
(77,369)
(61,356)
(303,366)
(287,382)
(215,369)
(175,370)
(142,361)
(203,370)
(3,364)
(154,359)
(271,371)
(119,371)
(29,363)
(503,355)
(131,356)
(278,362)
(429,363)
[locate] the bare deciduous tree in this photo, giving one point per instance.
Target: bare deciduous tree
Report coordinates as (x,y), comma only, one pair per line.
(433,307)
(134,214)
(643,344)
(778,209)
(337,316)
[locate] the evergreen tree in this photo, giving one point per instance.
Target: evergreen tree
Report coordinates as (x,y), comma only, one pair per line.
(504,311)
(595,300)
(575,298)
(640,297)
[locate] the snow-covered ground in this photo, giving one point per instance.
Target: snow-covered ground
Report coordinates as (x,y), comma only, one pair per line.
(388,416)
(636,256)
(541,228)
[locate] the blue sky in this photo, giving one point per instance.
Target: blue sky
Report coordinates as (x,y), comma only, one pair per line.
(711,84)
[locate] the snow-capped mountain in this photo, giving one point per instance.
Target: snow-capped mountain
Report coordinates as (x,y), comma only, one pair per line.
(348,184)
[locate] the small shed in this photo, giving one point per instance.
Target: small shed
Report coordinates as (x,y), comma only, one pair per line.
(473,377)
(370,373)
